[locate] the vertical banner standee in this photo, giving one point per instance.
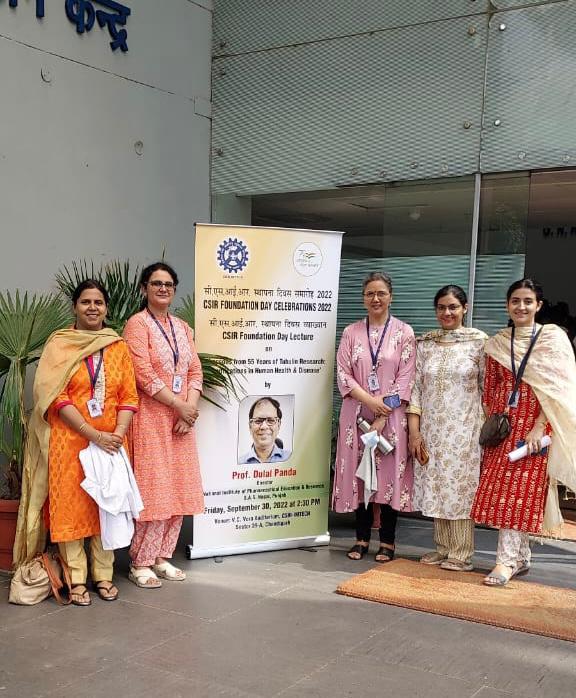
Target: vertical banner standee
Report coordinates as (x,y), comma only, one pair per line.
(267,298)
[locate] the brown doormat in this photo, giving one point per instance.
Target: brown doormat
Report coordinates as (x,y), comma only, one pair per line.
(569,530)
(520,605)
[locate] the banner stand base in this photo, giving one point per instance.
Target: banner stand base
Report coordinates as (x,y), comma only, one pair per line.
(260,547)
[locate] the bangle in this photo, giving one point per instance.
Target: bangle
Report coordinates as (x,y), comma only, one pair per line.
(82,427)
(99,437)
(173,401)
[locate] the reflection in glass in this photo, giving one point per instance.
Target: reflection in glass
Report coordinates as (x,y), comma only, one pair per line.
(418,232)
(501,246)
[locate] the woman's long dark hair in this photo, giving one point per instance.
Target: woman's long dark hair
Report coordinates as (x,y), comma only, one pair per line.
(147,273)
(87,284)
(530,284)
(451,290)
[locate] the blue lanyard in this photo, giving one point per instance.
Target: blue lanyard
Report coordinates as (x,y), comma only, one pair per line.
(175,351)
(517,375)
(373,354)
(525,359)
(94,373)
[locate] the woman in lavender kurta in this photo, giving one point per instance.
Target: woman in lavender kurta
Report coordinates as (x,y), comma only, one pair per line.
(376,359)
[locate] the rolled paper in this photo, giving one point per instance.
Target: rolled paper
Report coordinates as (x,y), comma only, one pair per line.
(522,452)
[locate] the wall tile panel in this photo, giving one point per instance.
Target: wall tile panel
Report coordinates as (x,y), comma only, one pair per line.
(241,26)
(529,120)
(395,105)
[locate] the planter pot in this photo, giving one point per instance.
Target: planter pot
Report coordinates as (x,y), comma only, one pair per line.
(8,518)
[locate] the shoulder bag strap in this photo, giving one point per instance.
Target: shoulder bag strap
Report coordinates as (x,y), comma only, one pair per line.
(523,365)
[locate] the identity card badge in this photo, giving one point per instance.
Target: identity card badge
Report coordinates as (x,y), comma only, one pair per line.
(177,384)
(94,408)
(373,383)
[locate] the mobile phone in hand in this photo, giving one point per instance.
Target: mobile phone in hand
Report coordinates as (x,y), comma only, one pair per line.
(392,401)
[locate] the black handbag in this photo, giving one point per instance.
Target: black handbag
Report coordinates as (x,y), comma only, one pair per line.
(497,427)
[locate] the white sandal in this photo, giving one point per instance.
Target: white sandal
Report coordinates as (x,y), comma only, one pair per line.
(141,576)
(166,570)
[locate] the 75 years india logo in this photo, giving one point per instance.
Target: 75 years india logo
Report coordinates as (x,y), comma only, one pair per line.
(232,255)
(307,259)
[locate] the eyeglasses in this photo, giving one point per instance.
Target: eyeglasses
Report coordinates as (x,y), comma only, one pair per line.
(170,285)
(376,294)
(269,421)
(443,308)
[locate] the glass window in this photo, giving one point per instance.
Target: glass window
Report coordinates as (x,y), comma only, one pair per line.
(418,232)
(501,246)
(551,243)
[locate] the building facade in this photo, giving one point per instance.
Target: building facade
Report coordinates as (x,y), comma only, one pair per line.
(104,152)
(440,136)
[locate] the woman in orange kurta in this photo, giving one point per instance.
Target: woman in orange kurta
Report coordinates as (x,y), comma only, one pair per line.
(96,404)
(169,380)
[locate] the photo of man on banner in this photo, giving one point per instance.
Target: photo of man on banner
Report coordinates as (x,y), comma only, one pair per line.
(264,423)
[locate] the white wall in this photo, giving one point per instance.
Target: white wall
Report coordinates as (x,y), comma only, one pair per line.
(72,185)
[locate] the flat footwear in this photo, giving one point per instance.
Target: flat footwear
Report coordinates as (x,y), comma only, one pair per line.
(79,595)
(384,554)
(497,579)
(167,571)
(456,565)
(107,591)
(432,558)
(521,569)
(359,550)
(144,578)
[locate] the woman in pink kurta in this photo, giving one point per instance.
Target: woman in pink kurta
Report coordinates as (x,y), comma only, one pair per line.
(165,458)
(376,363)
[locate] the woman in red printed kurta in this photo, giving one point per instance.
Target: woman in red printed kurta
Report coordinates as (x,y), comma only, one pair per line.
(520,498)
(165,458)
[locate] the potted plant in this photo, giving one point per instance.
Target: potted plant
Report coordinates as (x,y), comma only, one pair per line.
(26,322)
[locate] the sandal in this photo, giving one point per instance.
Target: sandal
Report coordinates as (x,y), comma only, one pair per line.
(106,590)
(432,558)
(521,569)
(359,550)
(167,571)
(144,578)
(497,579)
(384,554)
(79,595)
(455,565)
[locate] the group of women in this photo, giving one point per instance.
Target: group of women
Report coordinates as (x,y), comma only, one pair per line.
(140,392)
(429,397)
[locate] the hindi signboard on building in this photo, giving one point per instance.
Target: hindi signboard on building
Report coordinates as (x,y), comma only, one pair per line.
(267,298)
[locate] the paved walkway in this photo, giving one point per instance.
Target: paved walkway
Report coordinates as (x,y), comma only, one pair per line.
(270,624)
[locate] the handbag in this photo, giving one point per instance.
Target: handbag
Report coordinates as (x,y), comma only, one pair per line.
(495,429)
(34,581)
(422,456)
(498,426)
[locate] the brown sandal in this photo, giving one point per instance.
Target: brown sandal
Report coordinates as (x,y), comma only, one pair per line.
(107,591)
(79,595)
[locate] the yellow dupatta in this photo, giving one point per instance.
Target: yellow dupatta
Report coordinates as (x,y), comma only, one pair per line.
(63,353)
(551,373)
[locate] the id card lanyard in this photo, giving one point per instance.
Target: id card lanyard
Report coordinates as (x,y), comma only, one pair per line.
(177,380)
(373,383)
(94,407)
(514,395)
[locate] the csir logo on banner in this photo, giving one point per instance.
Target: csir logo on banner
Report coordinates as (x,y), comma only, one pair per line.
(233,255)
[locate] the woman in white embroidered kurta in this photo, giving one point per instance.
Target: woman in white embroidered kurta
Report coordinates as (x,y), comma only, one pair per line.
(445,414)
